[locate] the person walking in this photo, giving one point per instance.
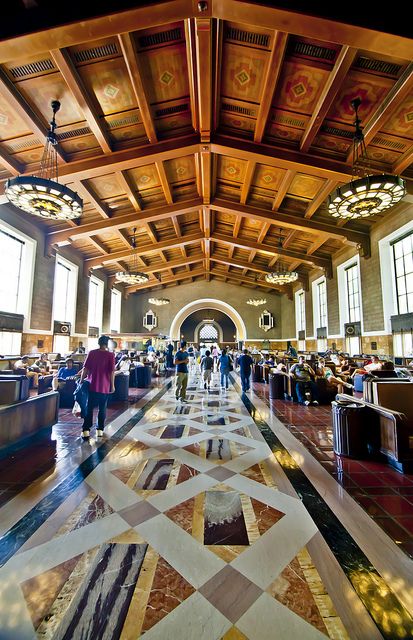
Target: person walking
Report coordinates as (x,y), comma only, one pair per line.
(207,364)
(215,354)
(245,363)
(223,365)
(99,371)
(181,363)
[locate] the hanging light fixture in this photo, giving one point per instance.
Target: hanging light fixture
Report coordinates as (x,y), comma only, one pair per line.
(43,195)
(256,302)
(134,276)
(158,301)
(281,276)
(368,194)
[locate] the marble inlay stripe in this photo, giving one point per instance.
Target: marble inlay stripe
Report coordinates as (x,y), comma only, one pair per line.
(371,588)
(15,537)
(218,449)
(224,519)
(155,475)
(99,608)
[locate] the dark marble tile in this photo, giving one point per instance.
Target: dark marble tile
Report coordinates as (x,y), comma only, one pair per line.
(155,475)
(224,519)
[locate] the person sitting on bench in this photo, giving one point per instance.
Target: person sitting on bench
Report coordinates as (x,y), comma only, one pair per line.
(23,363)
(65,373)
(303,375)
(322,371)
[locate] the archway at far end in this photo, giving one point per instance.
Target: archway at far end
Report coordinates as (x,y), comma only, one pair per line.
(207,303)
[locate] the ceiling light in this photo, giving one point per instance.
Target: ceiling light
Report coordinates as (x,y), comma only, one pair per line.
(281,276)
(43,195)
(133,276)
(256,302)
(368,194)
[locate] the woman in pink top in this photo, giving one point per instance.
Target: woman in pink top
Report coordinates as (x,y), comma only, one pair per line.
(99,371)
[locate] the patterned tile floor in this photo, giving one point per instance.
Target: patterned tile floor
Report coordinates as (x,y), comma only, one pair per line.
(190,521)
(385,494)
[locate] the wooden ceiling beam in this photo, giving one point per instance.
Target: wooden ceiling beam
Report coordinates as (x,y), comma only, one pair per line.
(164,182)
(272,74)
(237,226)
(269,250)
(334,82)
(63,62)
(206,168)
(114,256)
(18,104)
(249,174)
(176,226)
(404,161)
(291,221)
(126,184)
(264,230)
(283,189)
(190,41)
(130,55)
(402,89)
(10,163)
(280,158)
(176,278)
(122,221)
(241,264)
(203,28)
(313,27)
(173,264)
(250,281)
(289,238)
(320,198)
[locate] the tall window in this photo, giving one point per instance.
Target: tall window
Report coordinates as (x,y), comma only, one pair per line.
(63,294)
(301,311)
(95,303)
(208,332)
(403,266)
(322,303)
(11,249)
(115,309)
(17,253)
(10,343)
(353,293)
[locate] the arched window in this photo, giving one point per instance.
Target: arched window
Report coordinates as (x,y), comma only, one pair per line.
(208,332)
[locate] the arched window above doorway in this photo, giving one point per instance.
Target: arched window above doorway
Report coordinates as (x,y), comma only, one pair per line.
(208,332)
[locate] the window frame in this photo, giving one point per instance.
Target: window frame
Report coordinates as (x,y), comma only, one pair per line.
(73,276)
(115,294)
(353,295)
(97,320)
(393,244)
(27,267)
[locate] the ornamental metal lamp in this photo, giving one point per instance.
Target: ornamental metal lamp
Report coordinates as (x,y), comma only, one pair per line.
(368,194)
(134,276)
(256,302)
(43,195)
(281,276)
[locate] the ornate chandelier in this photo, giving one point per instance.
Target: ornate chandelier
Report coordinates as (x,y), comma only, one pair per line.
(134,276)
(281,276)
(43,195)
(159,301)
(368,194)
(256,302)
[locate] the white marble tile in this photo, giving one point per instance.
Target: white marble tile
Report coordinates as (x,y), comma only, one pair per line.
(194,619)
(46,556)
(191,559)
(117,494)
(192,460)
(246,460)
(267,557)
(165,500)
(268,618)
(15,620)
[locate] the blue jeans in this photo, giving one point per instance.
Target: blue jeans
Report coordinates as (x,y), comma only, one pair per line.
(100,400)
(300,390)
(245,380)
(224,378)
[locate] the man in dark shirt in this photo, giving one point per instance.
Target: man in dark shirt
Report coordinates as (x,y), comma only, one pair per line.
(181,363)
(207,364)
(245,362)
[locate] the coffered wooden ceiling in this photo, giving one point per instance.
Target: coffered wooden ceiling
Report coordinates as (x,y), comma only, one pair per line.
(215,133)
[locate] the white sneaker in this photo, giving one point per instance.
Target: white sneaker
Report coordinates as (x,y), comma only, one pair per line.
(85,435)
(306,402)
(315,402)
(99,433)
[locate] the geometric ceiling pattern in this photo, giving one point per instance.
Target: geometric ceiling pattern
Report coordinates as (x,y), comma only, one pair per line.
(216,130)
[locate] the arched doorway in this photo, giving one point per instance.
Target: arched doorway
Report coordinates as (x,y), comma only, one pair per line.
(208,303)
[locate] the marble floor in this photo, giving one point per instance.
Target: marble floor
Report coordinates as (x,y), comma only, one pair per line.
(207,520)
